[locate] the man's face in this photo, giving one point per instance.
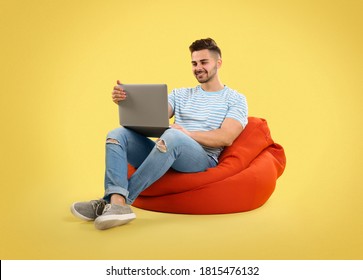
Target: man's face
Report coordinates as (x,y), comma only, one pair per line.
(205,65)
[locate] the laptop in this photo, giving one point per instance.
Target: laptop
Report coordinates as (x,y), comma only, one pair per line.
(145,109)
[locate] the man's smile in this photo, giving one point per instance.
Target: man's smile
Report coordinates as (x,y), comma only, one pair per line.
(199,73)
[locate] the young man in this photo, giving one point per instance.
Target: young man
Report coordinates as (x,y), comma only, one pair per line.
(207,118)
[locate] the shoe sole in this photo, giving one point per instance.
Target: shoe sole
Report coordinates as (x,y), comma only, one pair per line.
(79,215)
(109,221)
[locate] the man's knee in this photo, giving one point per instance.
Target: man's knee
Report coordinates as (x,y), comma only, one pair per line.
(168,140)
(161,145)
(112,141)
(115,136)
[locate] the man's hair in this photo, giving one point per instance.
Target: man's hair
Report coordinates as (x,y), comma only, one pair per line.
(205,44)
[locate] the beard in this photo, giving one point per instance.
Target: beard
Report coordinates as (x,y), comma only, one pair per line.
(204,76)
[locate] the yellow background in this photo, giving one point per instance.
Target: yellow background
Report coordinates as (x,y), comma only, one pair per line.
(299,63)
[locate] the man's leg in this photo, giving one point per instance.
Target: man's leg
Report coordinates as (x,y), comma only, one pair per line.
(123,146)
(174,149)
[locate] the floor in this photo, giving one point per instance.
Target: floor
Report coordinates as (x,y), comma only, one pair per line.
(288,226)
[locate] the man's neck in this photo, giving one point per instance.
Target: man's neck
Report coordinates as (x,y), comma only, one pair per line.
(212,86)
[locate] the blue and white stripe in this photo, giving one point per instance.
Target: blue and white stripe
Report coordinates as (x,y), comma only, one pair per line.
(198,110)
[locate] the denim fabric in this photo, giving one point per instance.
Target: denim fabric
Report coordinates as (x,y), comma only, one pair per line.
(182,153)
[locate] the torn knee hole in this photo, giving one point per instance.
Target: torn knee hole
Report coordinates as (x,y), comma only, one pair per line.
(112,141)
(161,145)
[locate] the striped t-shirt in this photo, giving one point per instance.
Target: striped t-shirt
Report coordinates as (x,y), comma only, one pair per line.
(199,110)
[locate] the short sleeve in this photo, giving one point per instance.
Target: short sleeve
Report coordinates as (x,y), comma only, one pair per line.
(171,99)
(238,109)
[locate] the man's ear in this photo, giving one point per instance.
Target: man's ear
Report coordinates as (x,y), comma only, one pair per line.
(219,63)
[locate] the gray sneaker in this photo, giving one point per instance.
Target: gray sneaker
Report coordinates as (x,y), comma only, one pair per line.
(114,215)
(88,210)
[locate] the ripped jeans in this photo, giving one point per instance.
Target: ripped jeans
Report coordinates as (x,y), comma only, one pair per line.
(174,150)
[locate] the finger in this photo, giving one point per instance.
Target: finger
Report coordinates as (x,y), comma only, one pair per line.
(119,94)
(118,86)
(118,97)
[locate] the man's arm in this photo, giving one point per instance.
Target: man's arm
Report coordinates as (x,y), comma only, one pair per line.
(223,136)
(170,111)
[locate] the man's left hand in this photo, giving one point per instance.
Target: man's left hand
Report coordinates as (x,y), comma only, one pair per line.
(179,127)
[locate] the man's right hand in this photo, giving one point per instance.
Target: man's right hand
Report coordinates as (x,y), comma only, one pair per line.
(118,94)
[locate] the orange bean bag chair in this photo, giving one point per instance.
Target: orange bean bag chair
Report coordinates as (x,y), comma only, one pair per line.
(243,180)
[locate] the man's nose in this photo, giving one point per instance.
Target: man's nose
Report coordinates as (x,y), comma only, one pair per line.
(198,67)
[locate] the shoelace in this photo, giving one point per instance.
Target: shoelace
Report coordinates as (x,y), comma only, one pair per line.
(99,205)
(107,207)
